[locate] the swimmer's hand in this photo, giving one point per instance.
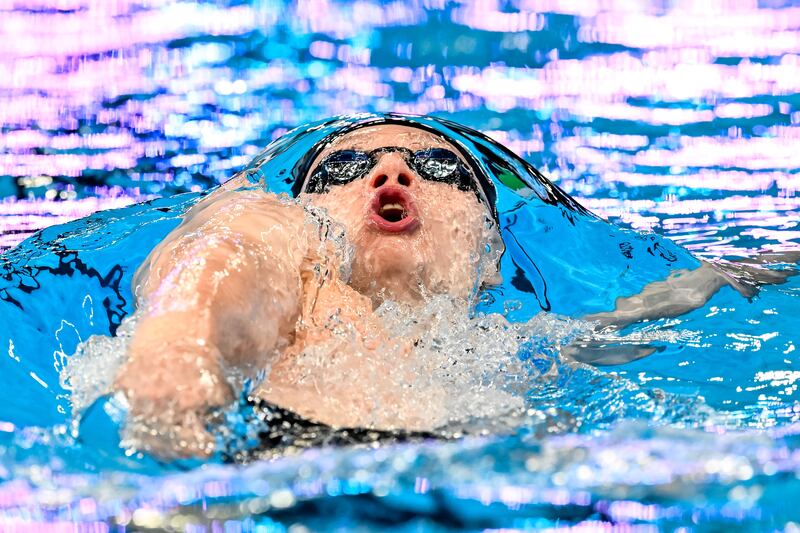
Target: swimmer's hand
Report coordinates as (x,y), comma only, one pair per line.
(170,389)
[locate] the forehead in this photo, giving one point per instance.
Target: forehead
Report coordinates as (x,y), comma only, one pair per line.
(380,135)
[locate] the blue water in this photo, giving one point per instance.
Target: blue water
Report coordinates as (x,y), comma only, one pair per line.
(662,117)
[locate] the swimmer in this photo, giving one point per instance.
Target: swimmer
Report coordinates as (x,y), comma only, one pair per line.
(250,281)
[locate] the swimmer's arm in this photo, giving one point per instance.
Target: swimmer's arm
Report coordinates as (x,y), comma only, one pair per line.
(221,291)
(682,292)
(687,290)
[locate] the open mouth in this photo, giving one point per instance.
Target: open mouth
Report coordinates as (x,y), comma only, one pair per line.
(393,210)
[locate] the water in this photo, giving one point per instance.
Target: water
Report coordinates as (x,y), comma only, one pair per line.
(677,118)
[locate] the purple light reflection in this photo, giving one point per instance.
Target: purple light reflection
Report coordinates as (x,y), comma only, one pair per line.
(60,64)
(20,219)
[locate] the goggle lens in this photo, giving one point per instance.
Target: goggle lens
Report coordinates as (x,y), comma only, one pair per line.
(432,164)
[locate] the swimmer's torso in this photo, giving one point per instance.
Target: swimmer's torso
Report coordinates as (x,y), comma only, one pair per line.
(343,367)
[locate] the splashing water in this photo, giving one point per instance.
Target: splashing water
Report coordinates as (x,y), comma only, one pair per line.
(442,367)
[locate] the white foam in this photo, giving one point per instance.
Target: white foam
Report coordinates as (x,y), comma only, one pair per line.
(90,372)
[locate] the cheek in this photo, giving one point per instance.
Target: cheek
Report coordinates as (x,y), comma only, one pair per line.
(454,223)
(350,214)
(344,205)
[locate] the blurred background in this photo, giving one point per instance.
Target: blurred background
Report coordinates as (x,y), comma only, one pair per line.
(678,116)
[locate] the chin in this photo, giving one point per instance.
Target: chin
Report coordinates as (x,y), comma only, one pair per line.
(389,265)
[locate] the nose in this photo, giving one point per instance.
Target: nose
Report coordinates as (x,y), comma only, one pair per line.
(391,169)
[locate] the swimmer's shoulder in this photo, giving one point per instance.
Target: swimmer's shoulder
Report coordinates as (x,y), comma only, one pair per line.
(230,219)
(244,213)
(241,200)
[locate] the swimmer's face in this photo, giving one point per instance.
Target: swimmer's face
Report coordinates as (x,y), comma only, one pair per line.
(412,234)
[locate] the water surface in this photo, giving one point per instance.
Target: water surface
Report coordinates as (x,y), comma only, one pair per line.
(675,117)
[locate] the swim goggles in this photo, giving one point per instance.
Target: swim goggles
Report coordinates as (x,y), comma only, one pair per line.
(432,164)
